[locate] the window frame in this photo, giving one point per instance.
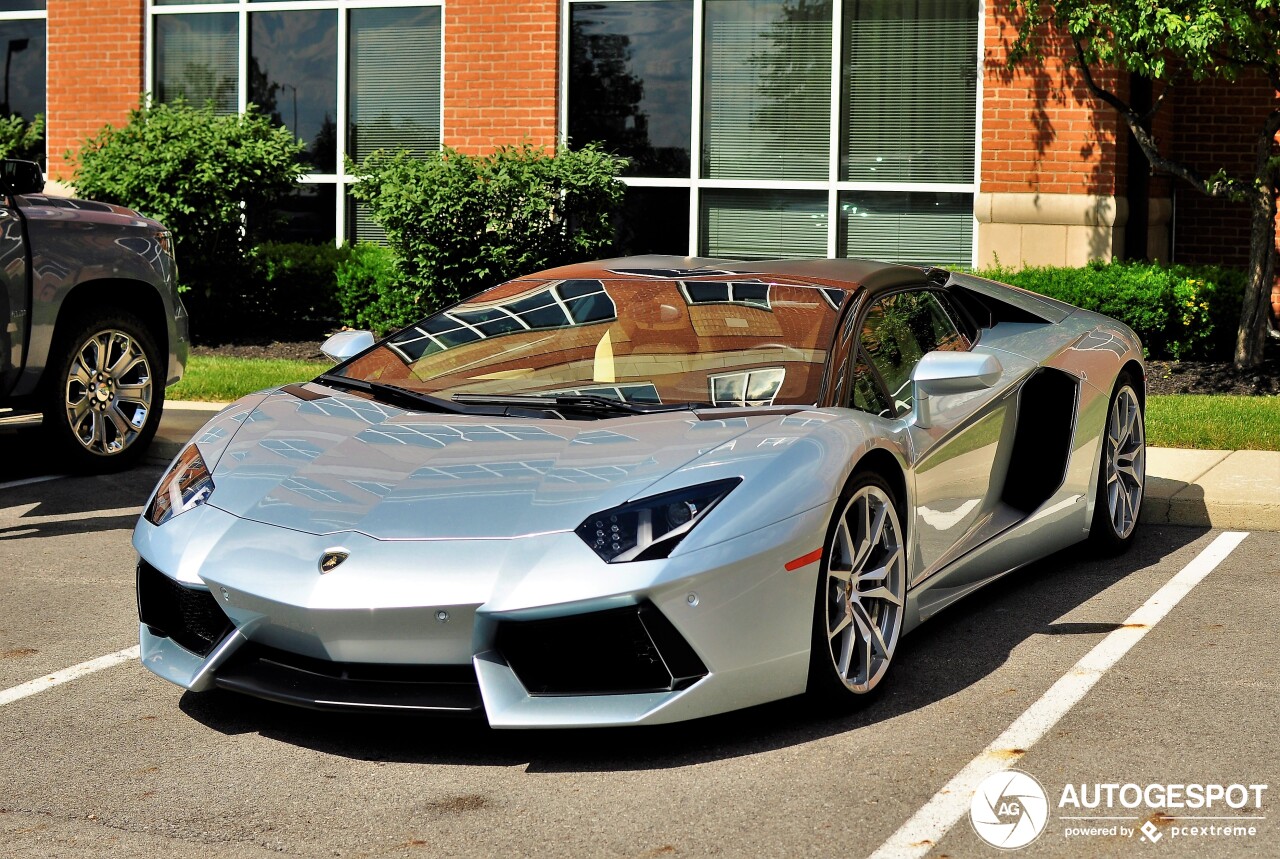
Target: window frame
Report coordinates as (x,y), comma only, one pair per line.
(344,219)
(38,15)
(832,185)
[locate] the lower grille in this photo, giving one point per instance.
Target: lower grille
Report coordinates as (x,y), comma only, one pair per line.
(190,616)
(289,678)
(633,649)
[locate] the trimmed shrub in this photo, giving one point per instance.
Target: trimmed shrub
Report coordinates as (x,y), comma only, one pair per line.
(1179,311)
(211,179)
(371,292)
(292,288)
(460,223)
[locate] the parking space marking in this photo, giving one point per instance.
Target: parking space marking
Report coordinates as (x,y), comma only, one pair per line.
(935,818)
(29,480)
(66,675)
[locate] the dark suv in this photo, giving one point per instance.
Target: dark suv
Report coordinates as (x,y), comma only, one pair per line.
(94,329)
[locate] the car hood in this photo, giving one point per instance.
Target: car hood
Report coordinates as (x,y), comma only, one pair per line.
(343,463)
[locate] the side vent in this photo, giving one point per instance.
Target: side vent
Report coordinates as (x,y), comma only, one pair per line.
(1042,442)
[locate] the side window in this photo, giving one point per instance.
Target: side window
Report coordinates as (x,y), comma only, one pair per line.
(866,395)
(897,332)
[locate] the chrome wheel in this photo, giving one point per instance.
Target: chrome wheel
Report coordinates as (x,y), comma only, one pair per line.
(864,588)
(1124,461)
(108,392)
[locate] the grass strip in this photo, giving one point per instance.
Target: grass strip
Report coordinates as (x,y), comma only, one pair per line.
(218,379)
(1213,422)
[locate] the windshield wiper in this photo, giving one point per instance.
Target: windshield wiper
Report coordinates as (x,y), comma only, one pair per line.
(580,403)
(394,394)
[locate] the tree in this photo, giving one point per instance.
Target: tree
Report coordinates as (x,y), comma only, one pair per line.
(1177,43)
(212,179)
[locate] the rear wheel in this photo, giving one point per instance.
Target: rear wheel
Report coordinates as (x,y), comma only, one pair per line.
(1122,474)
(104,397)
(861,592)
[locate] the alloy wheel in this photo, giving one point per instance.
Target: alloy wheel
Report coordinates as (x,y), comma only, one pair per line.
(865,586)
(108,392)
(1125,461)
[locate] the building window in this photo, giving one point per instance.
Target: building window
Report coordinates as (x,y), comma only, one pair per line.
(820,127)
(346,76)
(22,33)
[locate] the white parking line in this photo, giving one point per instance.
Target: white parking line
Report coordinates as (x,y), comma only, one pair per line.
(935,818)
(28,480)
(66,675)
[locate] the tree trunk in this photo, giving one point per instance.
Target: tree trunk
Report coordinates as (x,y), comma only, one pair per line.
(1251,336)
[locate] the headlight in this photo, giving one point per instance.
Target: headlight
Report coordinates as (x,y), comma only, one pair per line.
(651,527)
(187,485)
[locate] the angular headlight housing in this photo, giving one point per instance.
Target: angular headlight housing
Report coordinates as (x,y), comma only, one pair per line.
(186,485)
(651,527)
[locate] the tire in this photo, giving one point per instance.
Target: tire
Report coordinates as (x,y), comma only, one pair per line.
(1121,471)
(103,397)
(861,593)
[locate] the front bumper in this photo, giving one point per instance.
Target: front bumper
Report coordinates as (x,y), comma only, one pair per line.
(444,626)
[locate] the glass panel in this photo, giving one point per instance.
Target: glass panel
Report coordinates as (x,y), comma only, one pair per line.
(631,82)
(360,226)
(306,215)
(653,221)
(766,89)
(395,80)
(910,90)
(866,391)
(909,227)
(197,59)
(21,5)
(293,77)
(898,331)
(24,81)
(764,224)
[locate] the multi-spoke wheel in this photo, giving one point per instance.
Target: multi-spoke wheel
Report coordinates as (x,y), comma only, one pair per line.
(105,398)
(861,591)
(1122,470)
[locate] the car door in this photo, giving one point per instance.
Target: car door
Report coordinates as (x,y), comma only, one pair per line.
(959,461)
(13,296)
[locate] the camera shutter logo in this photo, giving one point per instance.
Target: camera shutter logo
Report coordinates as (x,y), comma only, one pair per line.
(1009,809)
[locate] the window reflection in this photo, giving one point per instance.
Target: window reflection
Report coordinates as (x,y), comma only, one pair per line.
(293,77)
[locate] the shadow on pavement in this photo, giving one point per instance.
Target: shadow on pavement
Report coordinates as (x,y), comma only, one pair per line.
(949,653)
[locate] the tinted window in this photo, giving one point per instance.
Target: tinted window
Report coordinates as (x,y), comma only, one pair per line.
(898,331)
(293,77)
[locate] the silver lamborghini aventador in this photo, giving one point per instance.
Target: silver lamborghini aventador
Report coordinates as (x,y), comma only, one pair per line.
(638,491)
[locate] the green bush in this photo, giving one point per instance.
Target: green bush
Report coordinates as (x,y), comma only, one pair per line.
(210,179)
(291,287)
(1179,311)
(459,223)
(371,292)
(19,138)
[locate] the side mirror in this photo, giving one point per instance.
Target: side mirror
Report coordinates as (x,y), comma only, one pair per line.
(346,344)
(20,177)
(950,373)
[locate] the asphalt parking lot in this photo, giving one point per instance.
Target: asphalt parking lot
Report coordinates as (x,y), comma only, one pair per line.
(118,762)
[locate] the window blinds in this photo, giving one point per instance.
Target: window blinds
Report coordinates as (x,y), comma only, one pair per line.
(395,80)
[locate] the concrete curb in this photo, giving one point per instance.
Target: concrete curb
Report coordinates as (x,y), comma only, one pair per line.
(1197,488)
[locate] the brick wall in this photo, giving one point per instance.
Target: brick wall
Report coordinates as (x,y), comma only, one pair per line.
(500,73)
(94,72)
(1041,130)
(1215,126)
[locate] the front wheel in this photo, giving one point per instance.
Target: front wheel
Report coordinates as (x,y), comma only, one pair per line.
(1122,471)
(861,591)
(104,399)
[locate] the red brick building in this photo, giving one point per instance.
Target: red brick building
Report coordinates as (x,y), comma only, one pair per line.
(882,128)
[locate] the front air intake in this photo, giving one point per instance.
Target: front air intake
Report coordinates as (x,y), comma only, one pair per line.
(625,650)
(190,616)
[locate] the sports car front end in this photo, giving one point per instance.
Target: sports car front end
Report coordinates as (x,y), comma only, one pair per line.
(339,545)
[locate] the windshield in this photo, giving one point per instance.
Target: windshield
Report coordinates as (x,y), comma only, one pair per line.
(721,341)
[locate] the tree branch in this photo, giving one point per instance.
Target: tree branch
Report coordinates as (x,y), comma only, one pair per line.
(1216,188)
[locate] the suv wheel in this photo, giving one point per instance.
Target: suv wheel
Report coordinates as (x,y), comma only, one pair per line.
(104,398)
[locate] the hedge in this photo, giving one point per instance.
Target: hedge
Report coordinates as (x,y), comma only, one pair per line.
(1179,311)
